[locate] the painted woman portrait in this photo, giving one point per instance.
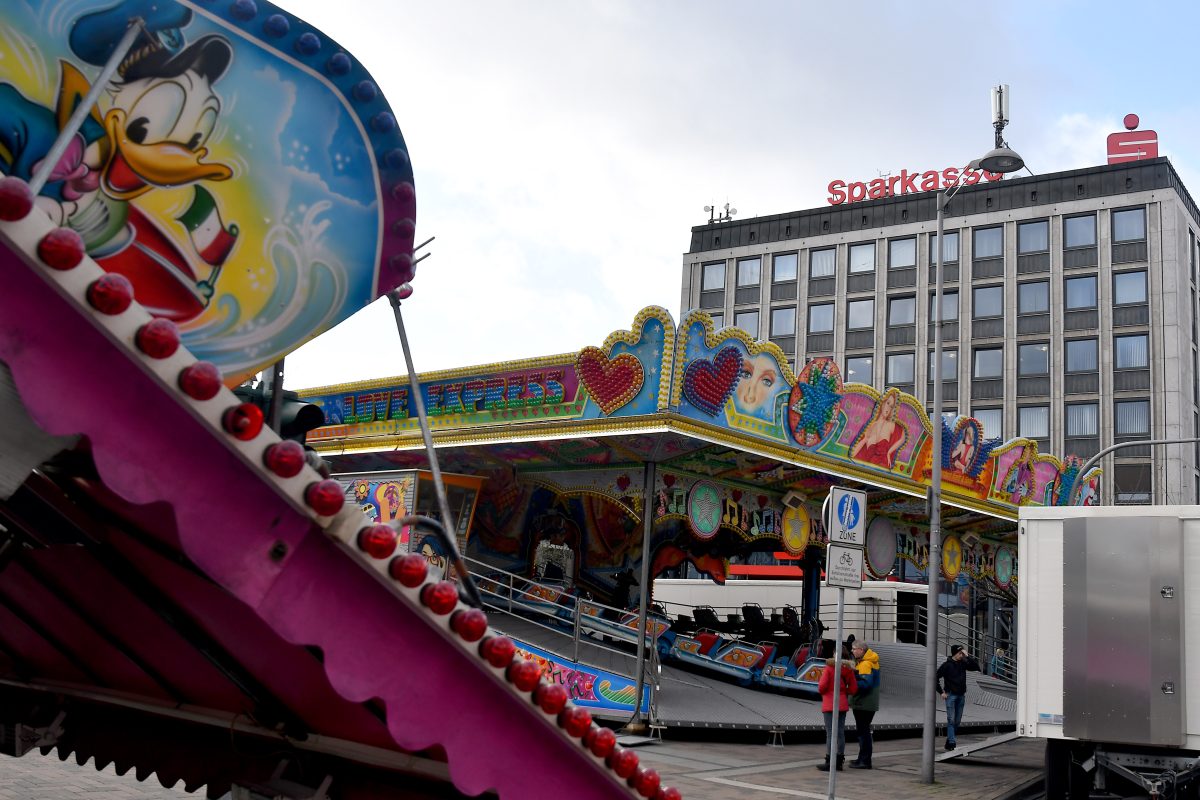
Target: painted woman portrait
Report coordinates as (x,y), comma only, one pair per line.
(963,455)
(1019,482)
(759,382)
(883,436)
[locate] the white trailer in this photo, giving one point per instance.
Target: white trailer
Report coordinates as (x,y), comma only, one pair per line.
(1109,629)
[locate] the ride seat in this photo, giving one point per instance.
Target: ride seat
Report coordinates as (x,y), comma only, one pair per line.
(706,617)
(768,652)
(801,655)
(707,642)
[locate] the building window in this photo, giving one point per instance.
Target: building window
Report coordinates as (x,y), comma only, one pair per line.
(1081,293)
(1132,483)
(860,314)
(1083,355)
(1079,231)
(899,368)
(902,253)
(1033,298)
(902,311)
(1033,237)
(747,321)
(949,365)
(749,271)
(1033,359)
(820,318)
(718,320)
(784,268)
(989,362)
(862,257)
(822,263)
(989,242)
(783,321)
(1132,418)
(858,369)
(992,420)
(1129,225)
(1129,287)
(1083,419)
(949,305)
(951,252)
(1132,352)
(989,301)
(714,276)
(1033,422)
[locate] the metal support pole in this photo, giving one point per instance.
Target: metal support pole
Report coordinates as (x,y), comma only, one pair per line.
(837,685)
(275,409)
(1091,462)
(438,487)
(933,569)
(647,530)
(75,121)
(575,637)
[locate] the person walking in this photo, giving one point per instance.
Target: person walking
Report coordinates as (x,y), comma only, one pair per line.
(848,686)
(953,673)
(865,702)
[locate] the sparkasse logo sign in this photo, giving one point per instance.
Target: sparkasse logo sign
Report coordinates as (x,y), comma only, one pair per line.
(905,183)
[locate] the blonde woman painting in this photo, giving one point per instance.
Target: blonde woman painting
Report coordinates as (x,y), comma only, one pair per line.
(881,439)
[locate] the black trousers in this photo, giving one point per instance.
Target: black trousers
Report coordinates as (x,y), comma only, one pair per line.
(866,744)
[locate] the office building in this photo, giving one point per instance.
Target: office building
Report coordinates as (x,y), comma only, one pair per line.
(1070,306)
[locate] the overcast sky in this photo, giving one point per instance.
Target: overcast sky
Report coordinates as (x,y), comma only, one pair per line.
(563,149)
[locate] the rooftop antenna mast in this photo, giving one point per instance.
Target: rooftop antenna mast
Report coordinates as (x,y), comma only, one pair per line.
(726,217)
(1000,107)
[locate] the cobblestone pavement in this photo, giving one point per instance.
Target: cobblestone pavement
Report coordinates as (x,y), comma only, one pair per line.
(700,770)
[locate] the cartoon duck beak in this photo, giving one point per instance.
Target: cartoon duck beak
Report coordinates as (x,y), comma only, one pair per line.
(132,169)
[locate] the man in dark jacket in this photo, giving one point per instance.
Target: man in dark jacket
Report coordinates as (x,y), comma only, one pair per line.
(865,703)
(953,673)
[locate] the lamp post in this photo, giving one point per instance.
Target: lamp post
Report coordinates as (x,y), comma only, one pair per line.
(1002,160)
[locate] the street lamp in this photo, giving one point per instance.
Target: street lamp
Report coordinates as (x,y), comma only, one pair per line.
(1003,160)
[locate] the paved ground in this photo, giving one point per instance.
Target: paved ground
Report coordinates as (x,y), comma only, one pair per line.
(700,770)
(717,771)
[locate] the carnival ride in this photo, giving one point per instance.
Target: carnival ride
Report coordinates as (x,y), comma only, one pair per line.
(182,592)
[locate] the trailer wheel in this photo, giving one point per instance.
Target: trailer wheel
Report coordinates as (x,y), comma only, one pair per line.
(1065,779)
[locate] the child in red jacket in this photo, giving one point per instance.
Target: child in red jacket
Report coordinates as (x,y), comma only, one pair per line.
(849,685)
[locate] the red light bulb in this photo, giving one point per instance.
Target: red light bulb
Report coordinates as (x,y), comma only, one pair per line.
(16,200)
(158,338)
(200,381)
(667,793)
(470,624)
(285,458)
(498,650)
(61,249)
(440,597)
(325,497)
(550,697)
(623,762)
(244,421)
(409,569)
(110,294)
(646,781)
(576,721)
(600,741)
(524,674)
(377,541)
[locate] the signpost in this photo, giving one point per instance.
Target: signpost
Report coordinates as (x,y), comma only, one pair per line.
(845,519)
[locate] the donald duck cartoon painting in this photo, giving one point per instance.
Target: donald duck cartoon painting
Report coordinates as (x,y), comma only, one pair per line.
(161,110)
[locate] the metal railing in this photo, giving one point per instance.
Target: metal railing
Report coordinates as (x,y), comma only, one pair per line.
(952,630)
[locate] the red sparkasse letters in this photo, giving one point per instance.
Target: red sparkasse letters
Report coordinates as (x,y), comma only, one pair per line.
(905,183)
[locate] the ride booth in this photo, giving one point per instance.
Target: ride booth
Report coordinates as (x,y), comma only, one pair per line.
(676,451)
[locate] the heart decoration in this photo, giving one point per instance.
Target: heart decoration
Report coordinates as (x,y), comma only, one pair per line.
(737,495)
(669,480)
(762,501)
(611,382)
(708,384)
(623,482)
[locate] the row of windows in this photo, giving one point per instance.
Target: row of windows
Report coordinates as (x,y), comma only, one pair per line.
(1033,360)
(1033,297)
(1129,225)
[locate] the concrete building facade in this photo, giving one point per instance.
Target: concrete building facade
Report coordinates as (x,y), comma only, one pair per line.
(1070,308)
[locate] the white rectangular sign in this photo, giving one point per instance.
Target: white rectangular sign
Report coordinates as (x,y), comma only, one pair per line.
(847,516)
(844,566)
